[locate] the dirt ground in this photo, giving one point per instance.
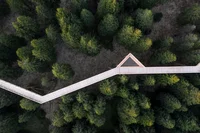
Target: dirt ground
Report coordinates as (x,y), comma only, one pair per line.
(86,66)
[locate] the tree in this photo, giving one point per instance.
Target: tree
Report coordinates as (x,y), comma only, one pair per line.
(43,49)
(31,65)
(11,41)
(146,118)
(28,105)
(67,99)
(169,102)
(191,57)
(186,42)
(9,123)
(190,15)
(4,9)
(83,127)
(62,71)
(149,81)
(143,101)
(78,5)
(163,57)
(128,36)
(23,7)
(58,120)
(45,15)
(108,7)
(88,18)
(123,92)
(165,80)
(78,110)
(148,3)
(94,119)
(123,79)
(144,19)
(26,27)
(108,26)
(24,52)
(7,54)
(7,99)
(187,122)
(131,4)
(89,45)
(108,87)
(52,33)
(82,97)
(163,118)
(129,106)
(25,117)
(67,112)
(100,106)
(143,45)
(71,35)
(7,71)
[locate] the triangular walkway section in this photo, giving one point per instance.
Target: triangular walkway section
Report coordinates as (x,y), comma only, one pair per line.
(130,61)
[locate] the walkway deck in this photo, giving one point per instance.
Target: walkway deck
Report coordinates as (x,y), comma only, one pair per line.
(119,70)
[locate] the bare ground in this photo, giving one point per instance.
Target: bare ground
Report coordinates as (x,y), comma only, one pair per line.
(86,66)
(168,25)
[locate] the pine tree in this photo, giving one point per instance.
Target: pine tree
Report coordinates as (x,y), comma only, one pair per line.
(89,45)
(43,49)
(26,27)
(62,71)
(144,19)
(88,18)
(163,57)
(163,118)
(108,7)
(169,102)
(100,106)
(108,26)
(28,105)
(128,36)
(108,87)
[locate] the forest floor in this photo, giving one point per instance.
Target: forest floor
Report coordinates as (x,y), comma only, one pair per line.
(85,66)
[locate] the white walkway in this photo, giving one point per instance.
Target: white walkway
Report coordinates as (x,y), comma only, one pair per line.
(119,70)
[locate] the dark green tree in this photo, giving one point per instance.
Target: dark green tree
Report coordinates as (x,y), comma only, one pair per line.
(165,80)
(169,102)
(25,117)
(58,119)
(109,7)
(7,99)
(9,123)
(78,110)
(190,15)
(23,7)
(108,26)
(4,9)
(163,57)
(11,41)
(52,33)
(149,81)
(163,118)
(82,97)
(100,105)
(143,101)
(123,92)
(191,57)
(88,18)
(146,118)
(26,27)
(62,71)
(108,87)
(94,119)
(187,122)
(144,19)
(143,45)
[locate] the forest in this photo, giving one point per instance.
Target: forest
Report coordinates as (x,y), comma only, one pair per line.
(48,44)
